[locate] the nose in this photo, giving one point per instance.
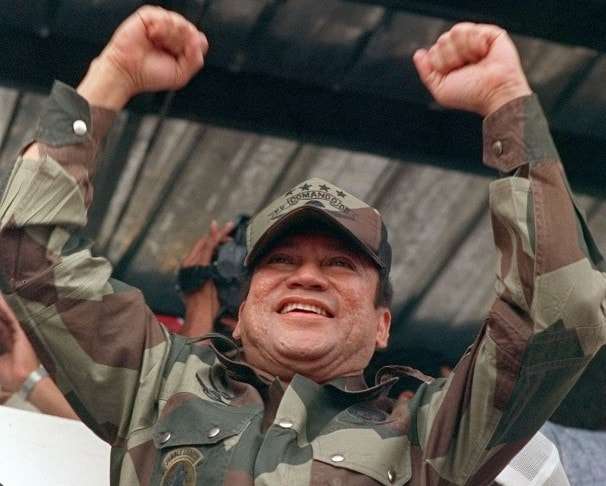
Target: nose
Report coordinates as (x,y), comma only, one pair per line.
(308,276)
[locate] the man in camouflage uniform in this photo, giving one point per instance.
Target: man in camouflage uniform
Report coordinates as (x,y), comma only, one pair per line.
(291,406)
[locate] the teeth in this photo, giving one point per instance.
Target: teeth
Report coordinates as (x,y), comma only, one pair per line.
(304,307)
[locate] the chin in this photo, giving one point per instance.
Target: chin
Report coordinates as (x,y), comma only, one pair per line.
(305,347)
(304,351)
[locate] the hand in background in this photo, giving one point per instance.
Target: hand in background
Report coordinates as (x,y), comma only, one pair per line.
(202,305)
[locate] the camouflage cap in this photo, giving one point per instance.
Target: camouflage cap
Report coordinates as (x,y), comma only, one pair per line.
(318,199)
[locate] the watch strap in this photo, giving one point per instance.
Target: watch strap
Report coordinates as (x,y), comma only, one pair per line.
(192,278)
(31,381)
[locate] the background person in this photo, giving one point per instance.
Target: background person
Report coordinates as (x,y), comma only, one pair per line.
(20,363)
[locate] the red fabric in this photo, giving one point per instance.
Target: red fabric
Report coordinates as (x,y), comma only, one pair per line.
(172,323)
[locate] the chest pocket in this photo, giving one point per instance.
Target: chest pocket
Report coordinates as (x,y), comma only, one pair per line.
(375,450)
(195,441)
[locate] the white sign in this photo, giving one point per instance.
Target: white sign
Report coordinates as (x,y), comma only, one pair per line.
(41,450)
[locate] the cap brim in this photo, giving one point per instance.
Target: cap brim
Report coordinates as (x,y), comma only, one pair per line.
(297,217)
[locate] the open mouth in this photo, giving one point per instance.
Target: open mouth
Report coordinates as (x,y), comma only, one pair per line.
(292,307)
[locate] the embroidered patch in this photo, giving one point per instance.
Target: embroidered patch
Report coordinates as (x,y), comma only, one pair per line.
(313,197)
(180,467)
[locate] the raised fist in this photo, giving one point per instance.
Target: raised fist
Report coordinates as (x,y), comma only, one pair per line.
(472,67)
(152,50)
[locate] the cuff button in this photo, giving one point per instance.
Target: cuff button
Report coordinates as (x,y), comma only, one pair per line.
(497,148)
(80,128)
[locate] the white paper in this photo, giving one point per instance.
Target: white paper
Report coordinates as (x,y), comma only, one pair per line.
(42,450)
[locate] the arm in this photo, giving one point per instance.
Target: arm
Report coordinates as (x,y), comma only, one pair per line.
(547,321)
(16,366)
(94,335)
(202,305)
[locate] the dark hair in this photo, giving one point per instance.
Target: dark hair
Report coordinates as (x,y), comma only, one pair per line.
(384,295)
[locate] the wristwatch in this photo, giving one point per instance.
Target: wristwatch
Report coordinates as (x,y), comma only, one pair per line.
(31,381)
(190,279)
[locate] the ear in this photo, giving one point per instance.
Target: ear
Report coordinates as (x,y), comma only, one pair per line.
(383,327)
(237,332)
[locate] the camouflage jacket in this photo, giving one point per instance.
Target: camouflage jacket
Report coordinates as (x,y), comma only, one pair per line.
(182,413)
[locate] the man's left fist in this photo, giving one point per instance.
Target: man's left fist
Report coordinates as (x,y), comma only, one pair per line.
(472,67)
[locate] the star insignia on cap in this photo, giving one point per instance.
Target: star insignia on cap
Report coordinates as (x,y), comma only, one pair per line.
(341,194)
(324,187)
(305,187)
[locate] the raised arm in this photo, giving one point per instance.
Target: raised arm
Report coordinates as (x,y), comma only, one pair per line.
(95,335)
(547,321)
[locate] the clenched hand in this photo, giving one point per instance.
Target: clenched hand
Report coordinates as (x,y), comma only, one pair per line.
(152,50)
(472,67)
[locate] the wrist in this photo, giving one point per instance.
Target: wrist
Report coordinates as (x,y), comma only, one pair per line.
(502,96)
(39,389)
(19,376)
(30,383)
(105,86)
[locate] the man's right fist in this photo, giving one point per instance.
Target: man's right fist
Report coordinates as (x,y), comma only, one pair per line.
(152,50)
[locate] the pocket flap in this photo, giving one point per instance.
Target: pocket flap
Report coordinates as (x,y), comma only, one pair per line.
(199,422)
(363,450)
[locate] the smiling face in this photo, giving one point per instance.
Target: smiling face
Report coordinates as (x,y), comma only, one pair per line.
(310,309)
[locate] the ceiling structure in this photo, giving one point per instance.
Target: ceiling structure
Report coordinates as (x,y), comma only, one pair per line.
(301,88)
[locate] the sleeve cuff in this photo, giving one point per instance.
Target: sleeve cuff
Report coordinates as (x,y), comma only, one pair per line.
(70,130)
(517,134)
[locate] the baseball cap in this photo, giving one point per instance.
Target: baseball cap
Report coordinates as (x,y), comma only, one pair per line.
(320,200)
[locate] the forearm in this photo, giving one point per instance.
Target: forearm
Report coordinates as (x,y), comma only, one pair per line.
(195,325)
(47,195)
(201,309)
(48,399)
(546,322)
(540,234)
(93,334)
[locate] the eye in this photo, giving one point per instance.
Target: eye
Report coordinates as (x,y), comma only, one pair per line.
(342,262)
(279,258)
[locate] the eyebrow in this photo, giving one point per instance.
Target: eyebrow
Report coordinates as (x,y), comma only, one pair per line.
(338,246)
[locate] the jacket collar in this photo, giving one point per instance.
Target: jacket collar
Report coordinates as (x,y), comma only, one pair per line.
(229,356)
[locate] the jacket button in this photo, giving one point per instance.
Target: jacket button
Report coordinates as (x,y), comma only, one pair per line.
(80,128)
(337,458)
(214,432)
(391,475)
(497,148)
(164,437)
(286,424)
